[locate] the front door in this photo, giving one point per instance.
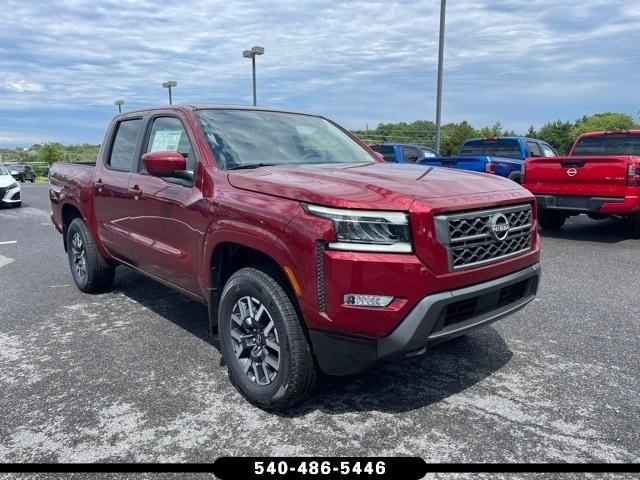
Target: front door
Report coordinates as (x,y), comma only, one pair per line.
(166,219)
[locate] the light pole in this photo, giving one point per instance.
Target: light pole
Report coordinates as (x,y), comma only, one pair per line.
(168,85)
(119,103)
(443,4)
(252,55)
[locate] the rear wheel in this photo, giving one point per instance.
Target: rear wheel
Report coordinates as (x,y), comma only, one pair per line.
(551,219)
(263,341)
(90,271)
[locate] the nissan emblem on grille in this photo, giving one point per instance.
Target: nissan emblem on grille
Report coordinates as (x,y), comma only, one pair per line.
(499,226)
(485,236)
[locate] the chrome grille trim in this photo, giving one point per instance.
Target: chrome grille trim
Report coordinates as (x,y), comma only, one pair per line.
(469,241)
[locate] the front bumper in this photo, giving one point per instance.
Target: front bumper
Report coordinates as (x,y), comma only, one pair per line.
(9,196)
(435,318)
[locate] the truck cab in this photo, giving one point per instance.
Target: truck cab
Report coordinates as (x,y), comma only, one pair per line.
(503,156)
(403,152)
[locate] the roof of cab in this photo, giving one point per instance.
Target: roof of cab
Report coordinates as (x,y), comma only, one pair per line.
(205,106)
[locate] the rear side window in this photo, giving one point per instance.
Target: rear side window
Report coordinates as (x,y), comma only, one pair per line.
(411,154)
(387,152)
(124,145)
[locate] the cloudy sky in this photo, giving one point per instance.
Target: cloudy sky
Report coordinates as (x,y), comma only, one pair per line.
(62,64)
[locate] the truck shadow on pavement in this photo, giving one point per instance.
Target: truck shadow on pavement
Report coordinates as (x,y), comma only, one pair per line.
(412,383)
(408,384)
(596,231)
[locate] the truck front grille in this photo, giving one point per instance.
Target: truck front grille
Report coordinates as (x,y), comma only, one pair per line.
(484,236)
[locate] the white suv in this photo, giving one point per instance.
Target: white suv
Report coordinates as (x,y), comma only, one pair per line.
(9,189)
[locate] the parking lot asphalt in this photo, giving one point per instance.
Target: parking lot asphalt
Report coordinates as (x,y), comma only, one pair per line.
(131,375)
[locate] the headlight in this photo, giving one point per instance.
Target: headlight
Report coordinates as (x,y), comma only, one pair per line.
(367,230)
(13,185)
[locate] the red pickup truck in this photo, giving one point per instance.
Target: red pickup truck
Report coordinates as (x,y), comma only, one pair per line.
(310,252)
(600,177)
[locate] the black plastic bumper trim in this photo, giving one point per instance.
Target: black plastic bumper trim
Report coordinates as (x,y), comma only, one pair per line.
(345,355)
(575,203)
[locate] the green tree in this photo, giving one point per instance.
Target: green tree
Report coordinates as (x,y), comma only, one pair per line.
(603,121)
(50,153)
(454,135)
(558,134)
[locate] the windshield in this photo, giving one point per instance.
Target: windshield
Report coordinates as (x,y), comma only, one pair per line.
(3,171)
(609,144)
(492,147)
(241,138)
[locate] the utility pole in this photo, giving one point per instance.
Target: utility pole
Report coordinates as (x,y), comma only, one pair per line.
(169,85)
(443,4)
(252,55)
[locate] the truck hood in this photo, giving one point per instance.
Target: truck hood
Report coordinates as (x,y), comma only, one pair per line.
(371,186)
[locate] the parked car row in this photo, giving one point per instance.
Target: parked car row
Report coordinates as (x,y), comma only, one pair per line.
(22,172)
(600,177)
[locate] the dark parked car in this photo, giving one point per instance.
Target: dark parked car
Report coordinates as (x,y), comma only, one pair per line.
(22,173)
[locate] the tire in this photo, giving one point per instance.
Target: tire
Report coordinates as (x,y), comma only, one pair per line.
(269,378)
(551,219)
(22,178)
(90,271)
(33,180)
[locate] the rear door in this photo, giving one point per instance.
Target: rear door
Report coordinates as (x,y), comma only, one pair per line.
(112,199)
(597,167)
(167,219)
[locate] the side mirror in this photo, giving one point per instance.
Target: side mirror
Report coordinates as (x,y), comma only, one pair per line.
(163,164)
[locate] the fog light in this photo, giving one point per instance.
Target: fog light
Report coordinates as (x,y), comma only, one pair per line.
(367,300)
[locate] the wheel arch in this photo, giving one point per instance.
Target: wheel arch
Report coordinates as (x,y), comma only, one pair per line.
(69,211)
(230,255)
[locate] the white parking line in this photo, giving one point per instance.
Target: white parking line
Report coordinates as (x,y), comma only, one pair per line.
(5,261)
(8,242)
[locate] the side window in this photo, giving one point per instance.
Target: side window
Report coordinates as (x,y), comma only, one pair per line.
(387,152)
(533,149)
(547,151)
(428,153)
(124,145)
(168,135)
(410,154)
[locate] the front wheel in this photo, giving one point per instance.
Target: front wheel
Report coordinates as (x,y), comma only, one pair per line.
(263,341)
(551,219)
(90,271)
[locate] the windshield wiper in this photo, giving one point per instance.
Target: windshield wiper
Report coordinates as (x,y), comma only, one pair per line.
(251,165)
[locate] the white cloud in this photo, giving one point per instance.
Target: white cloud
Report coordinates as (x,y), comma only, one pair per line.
(23,86)
(355,61)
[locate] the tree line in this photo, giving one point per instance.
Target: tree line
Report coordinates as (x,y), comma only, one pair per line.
(559,134)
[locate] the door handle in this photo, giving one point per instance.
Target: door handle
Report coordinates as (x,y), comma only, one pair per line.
(99,185)
(136,192)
